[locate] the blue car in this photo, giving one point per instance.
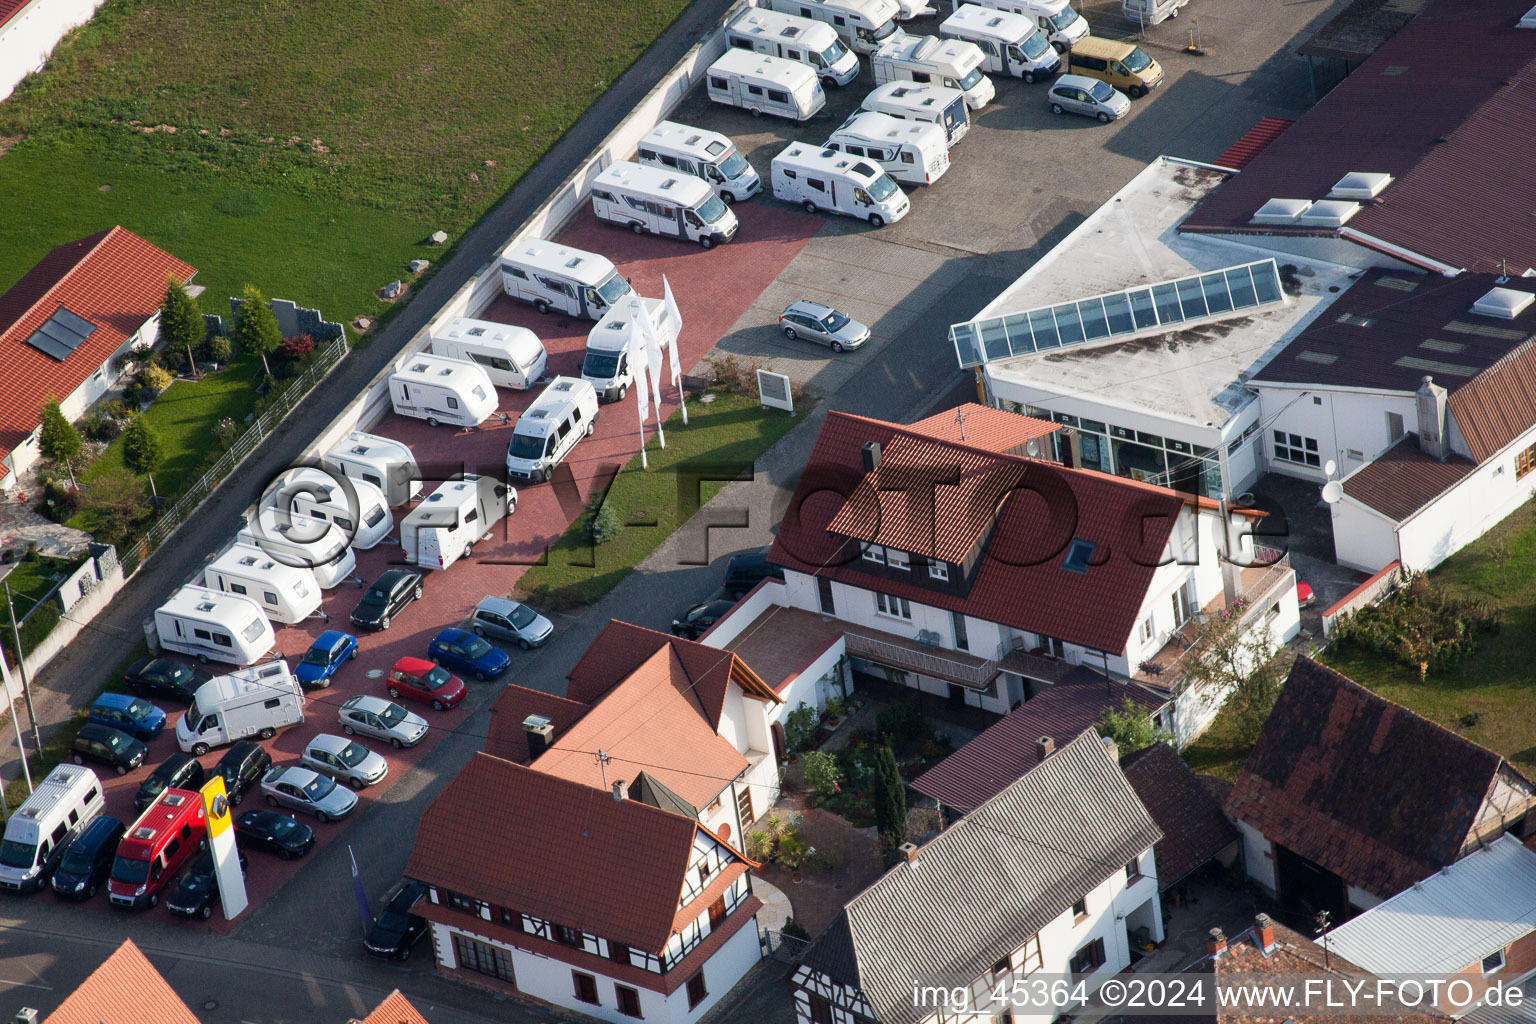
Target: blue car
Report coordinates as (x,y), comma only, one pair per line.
(328,653)
(462,651)
(133,715)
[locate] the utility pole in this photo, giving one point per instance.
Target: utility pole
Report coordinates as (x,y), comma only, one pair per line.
(602,764)
(26,686)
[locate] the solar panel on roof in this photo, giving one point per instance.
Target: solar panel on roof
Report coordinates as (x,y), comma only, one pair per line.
(61,334)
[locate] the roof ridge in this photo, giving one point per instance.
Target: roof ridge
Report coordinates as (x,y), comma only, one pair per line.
(101,239)
(557,782)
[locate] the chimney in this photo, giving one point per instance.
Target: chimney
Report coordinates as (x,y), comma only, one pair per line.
(871,452)
(1216,943)
(541,733)
(1044,747)
(1113,749)
(1264,933)
(620,791)
(25,1015)
(1430,400)
(908,851)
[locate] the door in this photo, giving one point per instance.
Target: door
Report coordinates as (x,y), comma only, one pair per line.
(957,695)
(1306,888)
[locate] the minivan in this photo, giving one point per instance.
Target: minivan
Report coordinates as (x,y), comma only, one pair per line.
(548,430)
(39,830)
(241,765)
(1121,65)
(87,859)
(179,771)
(109,746)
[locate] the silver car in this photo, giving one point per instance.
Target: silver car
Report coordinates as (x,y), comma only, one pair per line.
(344,759)
(815,322)
(382,719)
(1079,94)
(304,790)
(508,620)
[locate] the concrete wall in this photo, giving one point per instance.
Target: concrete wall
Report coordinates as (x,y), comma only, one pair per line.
(1350,427)
(69,627)
(1258,856)
(1363,538)
(27,40)
(1369,592)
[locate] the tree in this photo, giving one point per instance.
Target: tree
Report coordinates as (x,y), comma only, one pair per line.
(59,441)
(256,332)
(1240,665)
(181,325)
(143,451)
(822,773)
(889,797)
(112,505)
(1129,725)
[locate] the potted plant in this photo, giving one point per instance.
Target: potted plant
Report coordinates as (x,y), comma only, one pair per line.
(792,853)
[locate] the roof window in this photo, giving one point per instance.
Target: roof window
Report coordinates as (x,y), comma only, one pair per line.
(1078,554)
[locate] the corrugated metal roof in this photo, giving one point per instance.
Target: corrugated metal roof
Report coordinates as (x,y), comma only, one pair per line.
(1254,141)
(1499,404)
(1402,479)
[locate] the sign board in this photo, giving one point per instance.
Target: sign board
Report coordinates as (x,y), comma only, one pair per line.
(221,840)
(773,391)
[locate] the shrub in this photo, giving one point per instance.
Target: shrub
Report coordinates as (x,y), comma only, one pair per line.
(735,375)
(794,929)
(219,349)
(100,427)
(60,501)
(1130,727)
(823,773)
(904,725)
(889,797)
(1424,626)
(297,347)
(226,431)
(150,382)
(606,524)
(112,506)
(115,408)
(800,727)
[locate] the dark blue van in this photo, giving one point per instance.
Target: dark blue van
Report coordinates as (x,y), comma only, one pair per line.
(88,859)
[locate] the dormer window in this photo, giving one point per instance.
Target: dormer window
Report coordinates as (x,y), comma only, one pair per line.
(898,559)
(939,571)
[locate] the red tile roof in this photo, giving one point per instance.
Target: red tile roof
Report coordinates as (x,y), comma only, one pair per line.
(996,430)
(507,739)
(10,8)
(1254,141)
(395,1009)
(125,989)
(1402,479)
(114,279)
(1194,828)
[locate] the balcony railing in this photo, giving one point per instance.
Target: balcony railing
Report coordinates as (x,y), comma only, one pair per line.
(976,673)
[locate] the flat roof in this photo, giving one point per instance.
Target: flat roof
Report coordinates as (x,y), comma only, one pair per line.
(1357,31)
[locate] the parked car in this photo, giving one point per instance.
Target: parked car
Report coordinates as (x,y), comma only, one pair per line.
(95,742)
(274,832)
(133,715)
(242,764)
(1079,94)
(390,593)
(304,790)
(179,771)
(463,651)
(747,569)
(505,619)
(329,652)
(343,759)
(196,892)
(397,929)
(823,324)
(419,680)
(1304,595)
(88,859)
(164,679)
(695,622)
(382,719)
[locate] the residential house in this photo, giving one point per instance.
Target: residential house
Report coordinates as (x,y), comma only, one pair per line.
(1051,876)
(1195,830)
(1348,799)
(29,30)
(63,324)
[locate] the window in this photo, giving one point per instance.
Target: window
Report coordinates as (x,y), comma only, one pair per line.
(1493,962)
(824,595)
(744,806)
(718,83)
(1089,959)
(628,1000)
(874,553)
(483,958)
(898,560)
(1080,908)
(1078,554)
(1133,869)
(1145,632)
(962,638)
(586,987)
(618,952)
(938,571)
(223,640)
(778,96)
(697,992)
(894,606)
(1524,461)
(272,704)
(716,913)
(817,184)
(270,597)
(1297,449)
(907,158)
(753,90)
(821,1009)
(567,936)
(237,588)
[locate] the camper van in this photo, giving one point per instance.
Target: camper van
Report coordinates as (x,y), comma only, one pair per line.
(794,38)
(214,626)
(547,432)
(1151,12)
(256,701)
(606,366)
(549,277)
(150,855)
(447,524)
(37,832)
(1010,43)
(513,357)
(381,461)
(441,390)
(357,508)
(824,179)
(308,543)
(948,62)
(649,200)
(760,84)
(287,593)
(1062,25)
(703,154)
(935,104)
(863,24)
(912,152)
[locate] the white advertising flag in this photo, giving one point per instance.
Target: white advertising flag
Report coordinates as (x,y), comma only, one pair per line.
(634,354)
(675,323)
(653,361)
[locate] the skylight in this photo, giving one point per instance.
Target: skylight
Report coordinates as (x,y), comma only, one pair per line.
(1078,554)
(61,334)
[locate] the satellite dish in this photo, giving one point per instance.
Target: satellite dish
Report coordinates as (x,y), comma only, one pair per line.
(1032,448)
(1330,467)
(1333,491)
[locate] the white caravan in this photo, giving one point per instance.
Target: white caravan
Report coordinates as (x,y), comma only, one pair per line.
(549,276)
(214,626)
(287,593)
(441,390)
(256,701)
(794,38)
(649,200)
(824,179)
(318,546)
(1152,12)
(912,152)
(381,461)
(606,366)
(934,104)
(513,357)
(1010,43)
(445,526)
(548,431)
(63,803)
(1062,25)
(703,154)
(760,84)
(358,508)
(948,62)
(863,24)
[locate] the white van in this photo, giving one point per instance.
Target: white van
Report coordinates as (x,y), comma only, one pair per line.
(256,701)
(37,831)
(358,508)
(287,593)
(824,179)
(863,24)
(550,276)
(934,104)
(214,626)
(760,84)
(1010,43)
(381,461)
(318,546)
(912,152)
(606,365)
(794,38)
(650,200)
(447,524)
(441,390)
(703,154)
(547,432)
(1061,24)
(948,62)
(513,357)
(1151,12)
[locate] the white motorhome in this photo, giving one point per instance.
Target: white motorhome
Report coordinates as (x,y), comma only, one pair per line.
(214,626)
(824,179)
(703,154)
(287,593)
(381,461)
(912,152)
(1151,12)
(606,365)
(549,276)
(760,84)
(256,701)
(1061,24)
(513,357)
(441,390)
(649,200)
(792,37)
(863,24)
(37,832)
(1010,43)
(934,104)
(547,432)
(358,508)
(445,526)
(309,543)
(949,62)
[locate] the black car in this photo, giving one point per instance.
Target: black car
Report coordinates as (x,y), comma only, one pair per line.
(693,623)
(390,593)
(87,859)
(197,890)
(397,929)
(96,742)
(241,765)
(179,771)
(746,570)
(163,678)
(275,832)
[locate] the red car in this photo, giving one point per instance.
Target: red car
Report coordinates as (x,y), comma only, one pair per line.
(419,679)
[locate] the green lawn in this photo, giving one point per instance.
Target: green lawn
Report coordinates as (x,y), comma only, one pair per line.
(1218,751)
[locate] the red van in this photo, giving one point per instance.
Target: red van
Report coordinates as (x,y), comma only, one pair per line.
(170,830)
